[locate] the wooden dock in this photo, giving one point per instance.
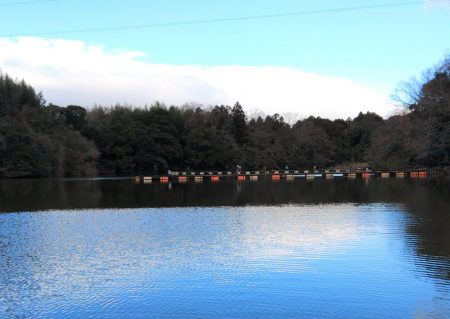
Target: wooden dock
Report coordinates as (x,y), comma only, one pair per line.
(276,175)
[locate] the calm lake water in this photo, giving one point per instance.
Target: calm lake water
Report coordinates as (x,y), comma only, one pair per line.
(304,249)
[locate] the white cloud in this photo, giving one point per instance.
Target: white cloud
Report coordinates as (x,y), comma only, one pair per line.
(73,72)
(430,4)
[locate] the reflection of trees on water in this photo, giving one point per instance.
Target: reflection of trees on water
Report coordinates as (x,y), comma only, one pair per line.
(428,227)
(429,207)
(427,202)
(43,194)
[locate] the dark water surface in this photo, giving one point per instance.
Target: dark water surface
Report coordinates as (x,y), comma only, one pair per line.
(303,249)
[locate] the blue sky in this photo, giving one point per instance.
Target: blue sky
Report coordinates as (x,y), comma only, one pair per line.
(377,47)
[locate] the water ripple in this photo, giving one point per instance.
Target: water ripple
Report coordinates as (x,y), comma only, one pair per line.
(314,261)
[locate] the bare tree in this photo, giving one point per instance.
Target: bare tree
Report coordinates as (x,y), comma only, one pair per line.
(291,118)
(409,93)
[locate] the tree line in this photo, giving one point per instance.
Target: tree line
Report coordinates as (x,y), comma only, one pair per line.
(40,139)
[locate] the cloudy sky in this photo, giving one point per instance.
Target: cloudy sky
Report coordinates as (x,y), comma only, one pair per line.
(316,58)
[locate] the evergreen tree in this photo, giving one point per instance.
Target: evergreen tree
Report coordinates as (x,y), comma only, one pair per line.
(239,123)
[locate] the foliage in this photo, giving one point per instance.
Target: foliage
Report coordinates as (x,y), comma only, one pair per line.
(422,137)
(39,139)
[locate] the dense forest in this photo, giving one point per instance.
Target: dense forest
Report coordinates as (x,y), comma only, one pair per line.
(40,139)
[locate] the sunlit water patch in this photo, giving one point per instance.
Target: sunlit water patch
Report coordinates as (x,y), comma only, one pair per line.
(290,261)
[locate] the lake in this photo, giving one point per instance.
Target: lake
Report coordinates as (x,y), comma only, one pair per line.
(377,248)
